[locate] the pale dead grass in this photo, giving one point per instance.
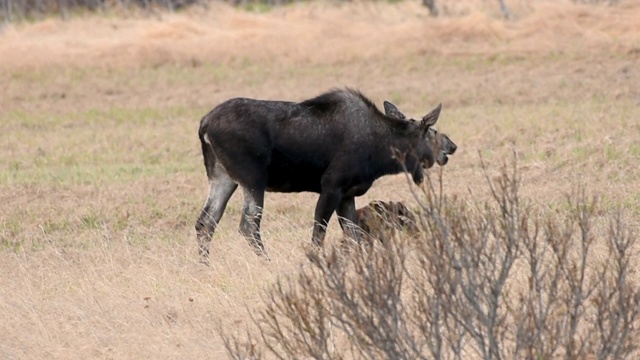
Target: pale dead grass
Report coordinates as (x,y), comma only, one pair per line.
(135,292)
(102,178)
(320,33)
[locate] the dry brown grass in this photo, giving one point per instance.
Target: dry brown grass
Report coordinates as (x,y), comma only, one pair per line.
(343,33)
(102,180)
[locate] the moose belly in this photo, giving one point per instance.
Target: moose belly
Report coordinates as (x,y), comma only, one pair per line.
(286,174)
(288,177)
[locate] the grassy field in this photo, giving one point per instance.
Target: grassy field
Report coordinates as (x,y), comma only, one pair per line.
(101,178)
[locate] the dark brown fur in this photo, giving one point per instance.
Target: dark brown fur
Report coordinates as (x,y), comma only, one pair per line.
(380,219)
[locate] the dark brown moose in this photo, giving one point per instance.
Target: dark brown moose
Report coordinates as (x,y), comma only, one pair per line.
(379,219)
(336,144)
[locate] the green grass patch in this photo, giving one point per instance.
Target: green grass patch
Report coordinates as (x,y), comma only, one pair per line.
(634,150)
(258,7)
(98,145)
(92,174)
(51,226)
(611,153)
(91,222)
(10,230)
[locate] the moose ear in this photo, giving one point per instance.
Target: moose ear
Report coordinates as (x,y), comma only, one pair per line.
(431,118)
(392,111)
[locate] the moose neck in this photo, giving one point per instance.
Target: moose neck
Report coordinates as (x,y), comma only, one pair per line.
(401,150)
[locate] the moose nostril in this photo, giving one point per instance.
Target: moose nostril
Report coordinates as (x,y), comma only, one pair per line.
(453,149)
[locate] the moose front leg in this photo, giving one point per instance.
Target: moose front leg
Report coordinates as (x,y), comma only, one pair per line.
(347,217)
(327,204)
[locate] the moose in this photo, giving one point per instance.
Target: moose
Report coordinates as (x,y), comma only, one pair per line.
(378,219)
(336,144)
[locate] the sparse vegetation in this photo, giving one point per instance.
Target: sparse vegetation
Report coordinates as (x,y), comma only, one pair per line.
(492,280)
(101,176)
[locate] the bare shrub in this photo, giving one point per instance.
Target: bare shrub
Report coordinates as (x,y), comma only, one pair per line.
(492,280)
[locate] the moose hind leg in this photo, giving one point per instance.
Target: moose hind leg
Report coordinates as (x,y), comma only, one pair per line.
(221,187)
(251,218)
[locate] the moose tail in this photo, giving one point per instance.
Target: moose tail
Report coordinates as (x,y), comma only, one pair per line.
(207,150)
